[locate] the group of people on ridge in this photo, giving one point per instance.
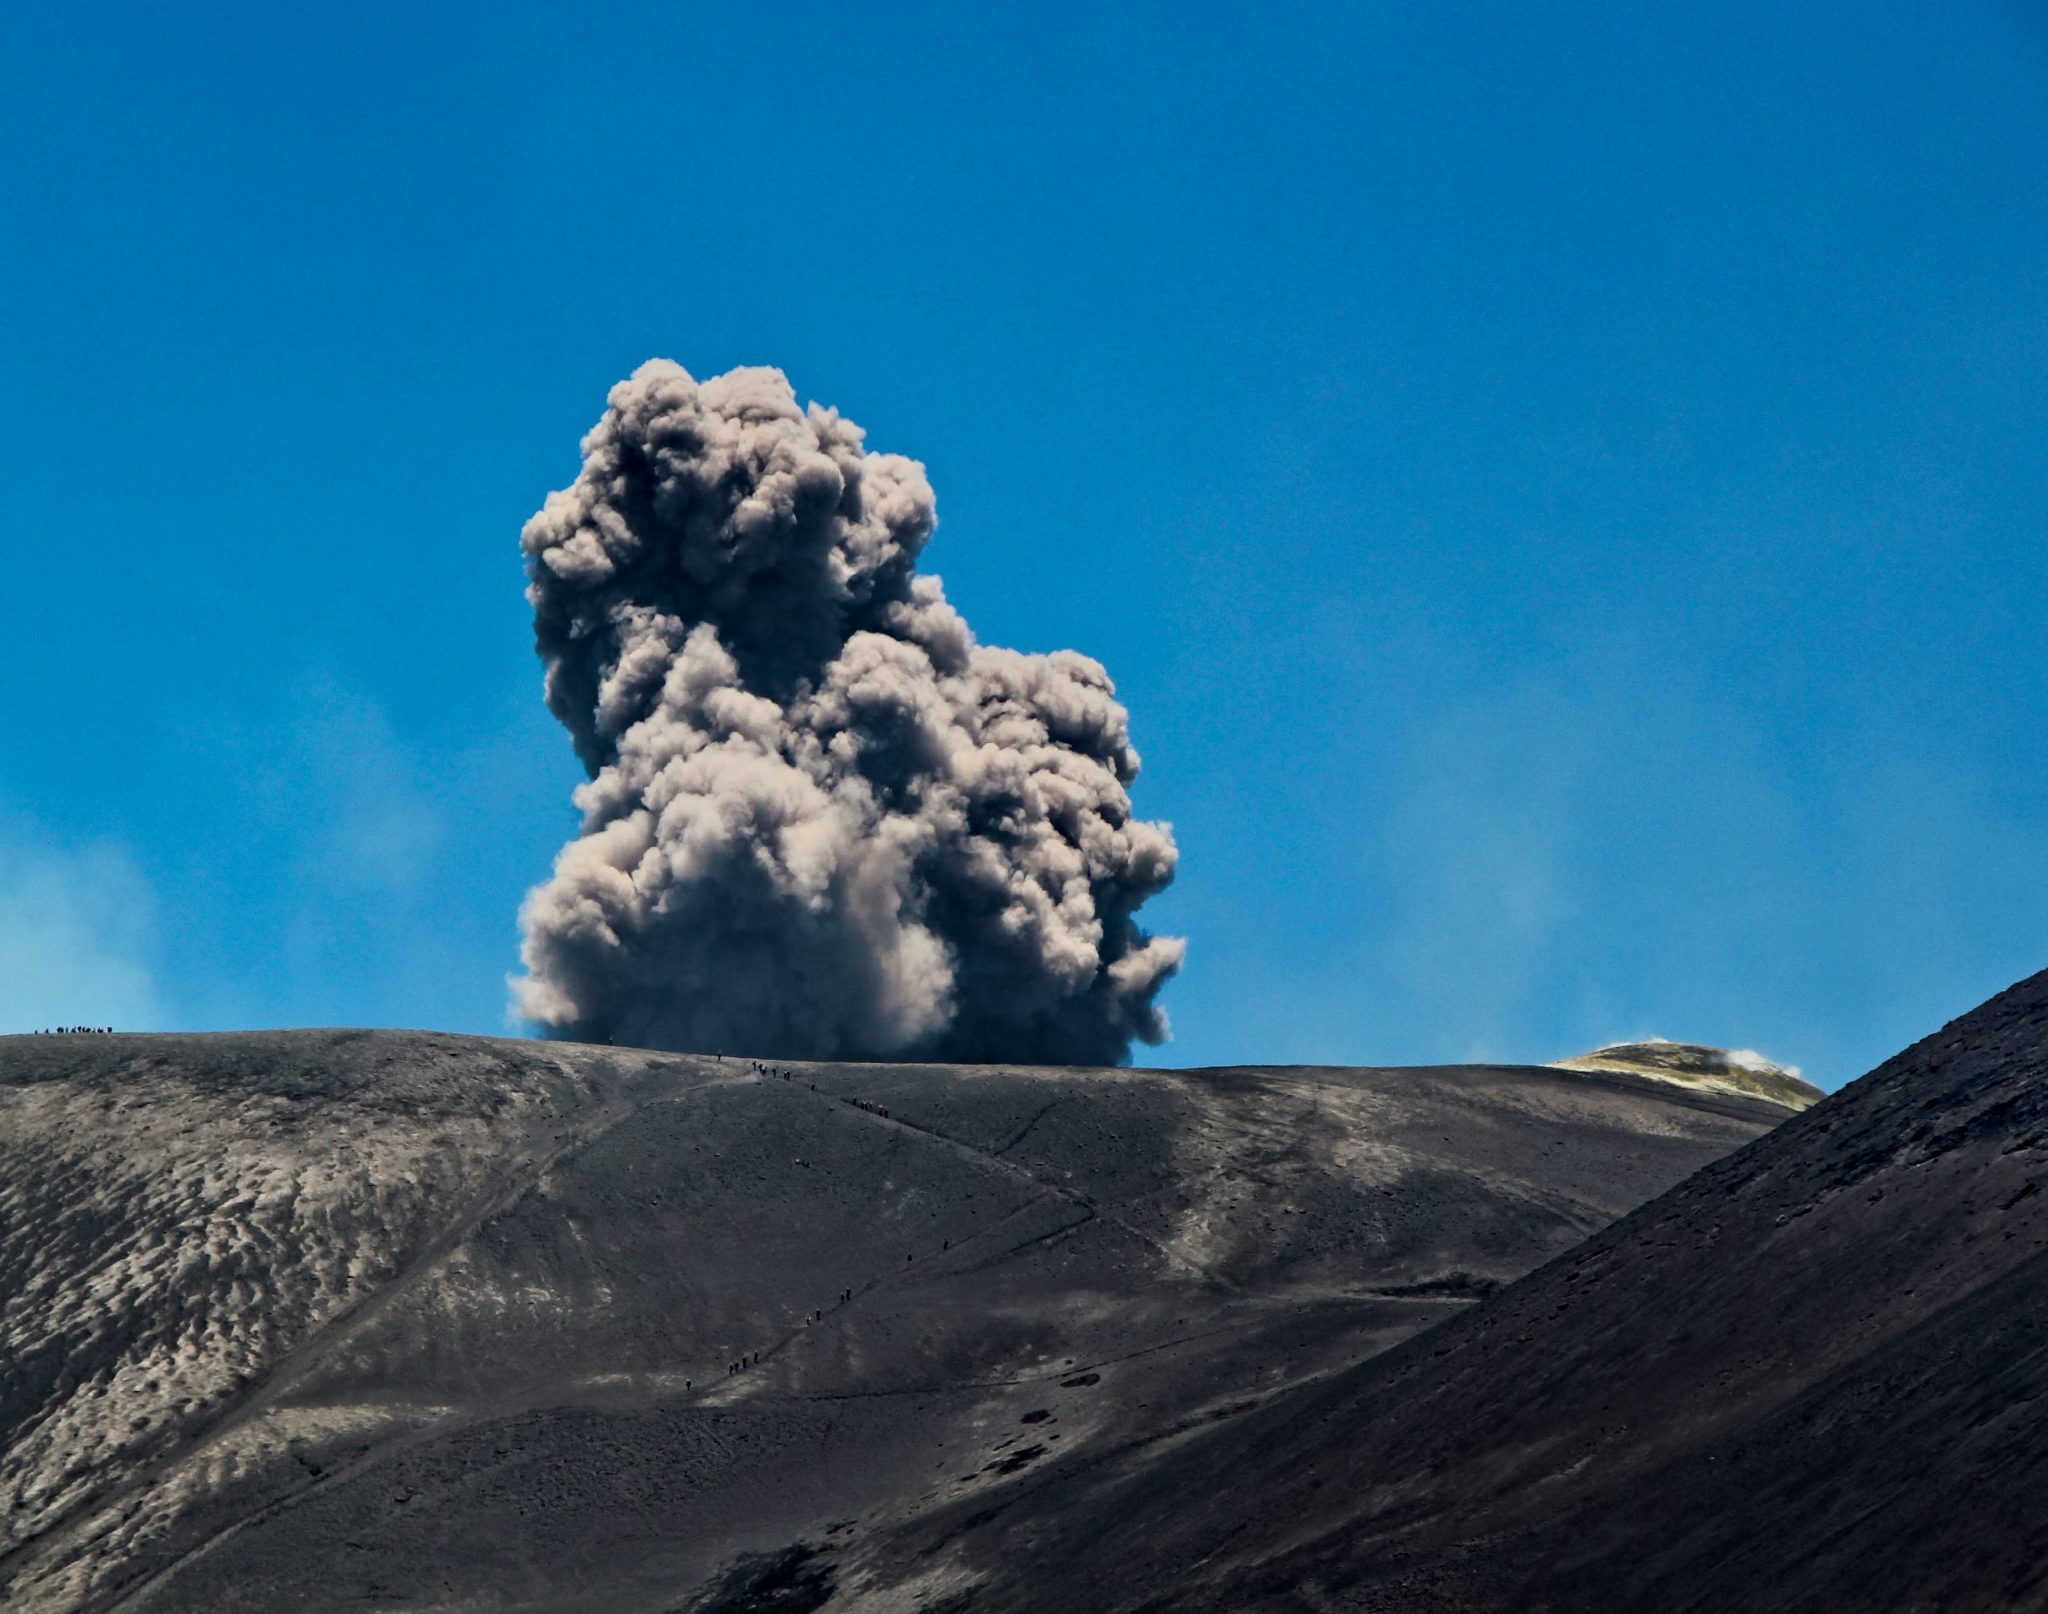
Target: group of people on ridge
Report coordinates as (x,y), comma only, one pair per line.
(845,1296)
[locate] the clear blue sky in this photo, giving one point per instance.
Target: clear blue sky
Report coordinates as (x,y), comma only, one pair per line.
(1561,488)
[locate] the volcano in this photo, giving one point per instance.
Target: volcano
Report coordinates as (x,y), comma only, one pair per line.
(320,1320)
(1812,1376)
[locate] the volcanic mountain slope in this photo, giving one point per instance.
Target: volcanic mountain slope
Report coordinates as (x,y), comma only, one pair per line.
(318,1319)
(1712,1069)
(1814,1376)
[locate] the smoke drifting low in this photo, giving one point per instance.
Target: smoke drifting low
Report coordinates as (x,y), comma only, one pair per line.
(822,821)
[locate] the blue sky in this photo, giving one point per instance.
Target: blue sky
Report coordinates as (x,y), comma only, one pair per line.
(1561,489)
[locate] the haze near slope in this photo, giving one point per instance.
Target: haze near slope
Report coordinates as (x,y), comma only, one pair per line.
(1811,1377)
(308,1319)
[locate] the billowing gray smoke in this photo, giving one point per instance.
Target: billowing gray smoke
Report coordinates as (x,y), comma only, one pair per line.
(821,820)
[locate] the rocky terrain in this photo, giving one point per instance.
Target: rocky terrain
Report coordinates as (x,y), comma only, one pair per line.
(1813,1376)
(312,1320)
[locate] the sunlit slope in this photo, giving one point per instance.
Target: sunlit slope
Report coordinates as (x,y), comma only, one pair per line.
(1714,1070)
(313,1319)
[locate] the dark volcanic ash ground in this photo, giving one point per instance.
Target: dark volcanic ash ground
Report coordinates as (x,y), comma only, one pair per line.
(316,1320)
(1810,1378)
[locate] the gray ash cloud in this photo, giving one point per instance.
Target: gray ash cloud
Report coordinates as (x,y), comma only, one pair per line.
(821,820)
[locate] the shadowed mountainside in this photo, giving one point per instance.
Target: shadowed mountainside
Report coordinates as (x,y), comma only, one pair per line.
(1814,1376)
(320,1319)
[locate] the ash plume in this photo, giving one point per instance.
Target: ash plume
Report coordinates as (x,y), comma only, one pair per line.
(821,820)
